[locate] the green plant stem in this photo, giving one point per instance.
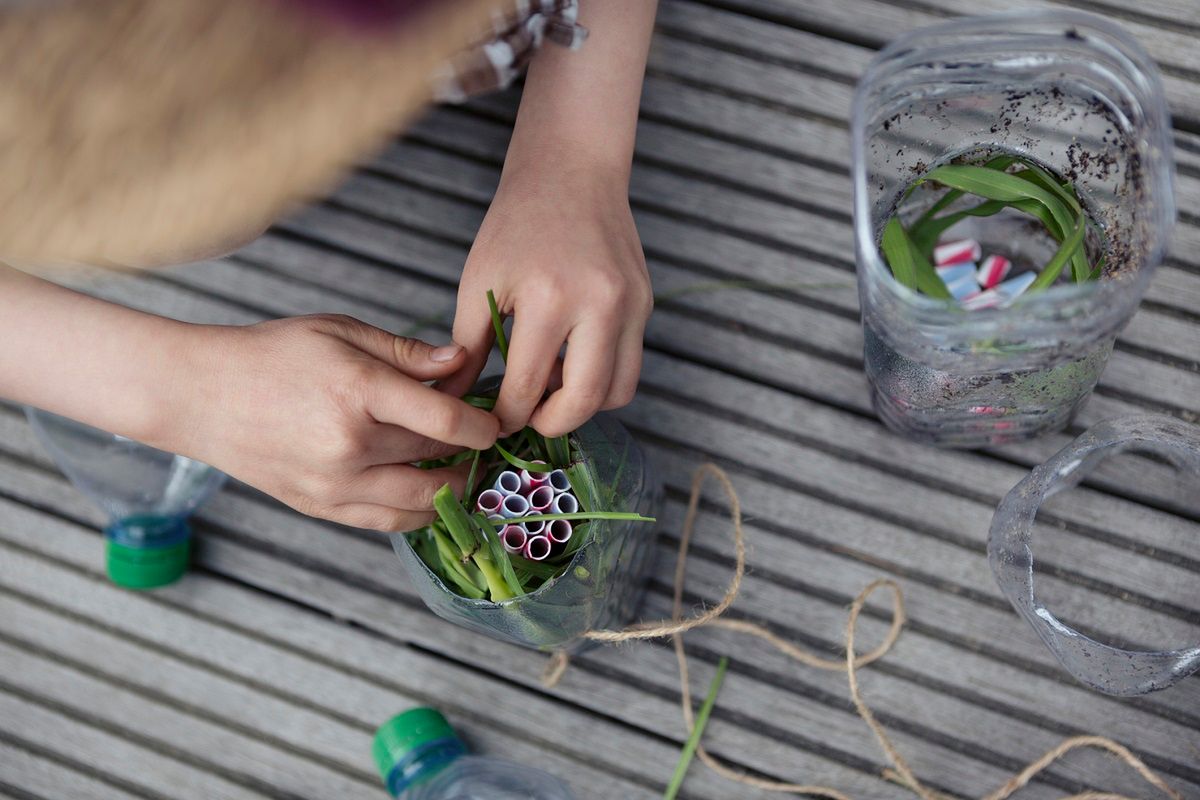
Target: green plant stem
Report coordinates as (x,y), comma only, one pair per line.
(521,463)
(689,748)
(622,515)
(498,326)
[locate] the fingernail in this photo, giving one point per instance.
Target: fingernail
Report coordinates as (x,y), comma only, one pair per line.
(445,352)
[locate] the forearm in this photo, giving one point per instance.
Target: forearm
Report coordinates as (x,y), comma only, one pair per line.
(581,107)
(97,362)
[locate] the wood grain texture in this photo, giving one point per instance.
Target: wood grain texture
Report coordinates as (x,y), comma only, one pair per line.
(264,673)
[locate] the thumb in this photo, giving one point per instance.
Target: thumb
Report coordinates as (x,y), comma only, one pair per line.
(423,361)
(413,357)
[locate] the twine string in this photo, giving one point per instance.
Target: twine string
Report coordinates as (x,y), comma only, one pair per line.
(900,772)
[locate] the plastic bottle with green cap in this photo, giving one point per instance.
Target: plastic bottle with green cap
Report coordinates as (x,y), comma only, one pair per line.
(147,494)
(420,757)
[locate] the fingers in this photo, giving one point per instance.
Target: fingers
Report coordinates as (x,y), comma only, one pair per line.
(389,444)
(473,330)
(587,374)
(391,398)
(380,518)
(627,370)
(415,358)
(404,487)
(531,357)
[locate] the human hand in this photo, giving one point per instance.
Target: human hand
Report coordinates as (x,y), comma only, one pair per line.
(561,252)
(327,414)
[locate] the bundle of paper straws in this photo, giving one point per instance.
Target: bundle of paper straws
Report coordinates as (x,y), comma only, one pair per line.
(516,495)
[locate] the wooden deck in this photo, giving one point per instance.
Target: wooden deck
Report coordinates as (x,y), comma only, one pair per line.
(264,672)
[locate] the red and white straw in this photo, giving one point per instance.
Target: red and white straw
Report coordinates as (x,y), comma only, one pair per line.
(537,548)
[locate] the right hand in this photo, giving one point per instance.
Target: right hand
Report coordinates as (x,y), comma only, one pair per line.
(327,414)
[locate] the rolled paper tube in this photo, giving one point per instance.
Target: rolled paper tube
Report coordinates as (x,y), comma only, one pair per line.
(489,502)
(1013,288)
(540,499)
(532,480)
(956,272)
(535,527)
(508,482)
(560,531)
(956,252)
(565,504)
(513,537)
(993,270)
(963,288)
(986,299)
(559,481)
(514,506)
(537,548)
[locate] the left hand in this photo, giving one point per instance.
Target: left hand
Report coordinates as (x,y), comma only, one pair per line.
(561,252)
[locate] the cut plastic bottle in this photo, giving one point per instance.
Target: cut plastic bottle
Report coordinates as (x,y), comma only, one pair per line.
(147,495)
(420,757)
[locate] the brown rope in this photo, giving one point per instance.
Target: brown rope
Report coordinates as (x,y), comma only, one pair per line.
(900,772)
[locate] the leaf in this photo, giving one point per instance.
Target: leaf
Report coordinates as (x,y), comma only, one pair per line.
(902,255)
(995,185)
(497,554)
(498,326)
(1051,271)
(898,253)
(469,488)
(521,463)
(628,516)
(479,401)
(1000,163)
(456,520)
(689,747)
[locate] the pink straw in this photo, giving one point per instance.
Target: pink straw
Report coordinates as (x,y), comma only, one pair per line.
(508,482)
(514,506)
(560,531)
(532,480)
(559,482)
(537,548)
(513,537)
(540,499)
(565,504)
(489,501)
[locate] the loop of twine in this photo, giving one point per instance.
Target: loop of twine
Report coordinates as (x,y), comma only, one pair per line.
(900,772)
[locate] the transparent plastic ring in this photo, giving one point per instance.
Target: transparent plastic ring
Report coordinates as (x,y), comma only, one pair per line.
(1098,665)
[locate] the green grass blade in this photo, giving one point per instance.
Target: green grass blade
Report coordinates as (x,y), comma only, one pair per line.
(914,263)
(498,326)
(689,748)
(521,463)
(628,516)
(995,185)
(469,488)
(456,520)
(1052,270)
(453,568)
(898,253)
(479,401)
(538,569)
(498,555)
(537,444)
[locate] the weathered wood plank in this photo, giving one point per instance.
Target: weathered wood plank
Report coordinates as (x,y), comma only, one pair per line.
(875,22)
(37,775)
(249,760)
(352,653)
(344,557)
(76,739)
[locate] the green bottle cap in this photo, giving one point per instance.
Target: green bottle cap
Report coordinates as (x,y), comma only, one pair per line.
(147,564)
(397,738)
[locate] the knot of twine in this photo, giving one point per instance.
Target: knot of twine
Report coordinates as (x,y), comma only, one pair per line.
(900,772)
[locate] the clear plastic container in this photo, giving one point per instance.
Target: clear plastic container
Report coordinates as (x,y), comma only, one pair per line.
(1101,666)
(603,584)
(147,494)
(1070,91)
(420,757)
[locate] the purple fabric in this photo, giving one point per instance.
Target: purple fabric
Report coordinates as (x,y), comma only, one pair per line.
(365,14)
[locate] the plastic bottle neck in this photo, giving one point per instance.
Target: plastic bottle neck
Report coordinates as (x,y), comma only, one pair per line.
(148,530)
(423,763)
